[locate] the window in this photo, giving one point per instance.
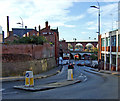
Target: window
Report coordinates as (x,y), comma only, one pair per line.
(44,33)
(107,41)
(102,57)
(108,58)
(103,41)
(114,59)
(33,34)
(113,40)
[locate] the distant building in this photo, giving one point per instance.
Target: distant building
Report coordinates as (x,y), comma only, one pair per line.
(110,50)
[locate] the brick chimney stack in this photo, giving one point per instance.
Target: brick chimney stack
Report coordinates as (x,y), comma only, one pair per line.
(39,29)
(35,28)
(8,34)
(46,24)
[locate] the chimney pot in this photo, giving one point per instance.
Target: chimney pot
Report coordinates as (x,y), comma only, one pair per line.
(39,29)
(35,28)
(25,27)
(46,24)
(8,26)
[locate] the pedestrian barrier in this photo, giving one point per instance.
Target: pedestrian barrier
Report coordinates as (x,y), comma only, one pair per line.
(29,80)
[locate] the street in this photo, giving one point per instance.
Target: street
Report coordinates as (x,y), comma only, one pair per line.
(94,86)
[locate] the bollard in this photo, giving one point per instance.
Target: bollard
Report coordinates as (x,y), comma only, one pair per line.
(29,81)
(70,74)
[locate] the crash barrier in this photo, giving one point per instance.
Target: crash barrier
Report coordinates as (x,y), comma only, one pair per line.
(70,74)
(29,80)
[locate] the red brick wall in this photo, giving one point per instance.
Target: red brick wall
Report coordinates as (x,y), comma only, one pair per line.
(33,32)
(108,48)
(64,46)
(103,48)
(99,53)
(33,51)
(118,48)
(113,48)
(113,67)
(118,64)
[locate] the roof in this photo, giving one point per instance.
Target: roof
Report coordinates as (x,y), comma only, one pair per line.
(20,31)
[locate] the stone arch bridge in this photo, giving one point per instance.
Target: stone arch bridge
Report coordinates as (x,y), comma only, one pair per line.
(64,44)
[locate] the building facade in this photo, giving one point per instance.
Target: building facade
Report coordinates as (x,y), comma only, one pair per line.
(110,50)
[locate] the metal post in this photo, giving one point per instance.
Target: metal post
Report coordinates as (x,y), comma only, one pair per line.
(98,28)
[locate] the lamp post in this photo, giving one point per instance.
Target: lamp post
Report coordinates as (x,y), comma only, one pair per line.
(21,23)
(74,44)
(98,28)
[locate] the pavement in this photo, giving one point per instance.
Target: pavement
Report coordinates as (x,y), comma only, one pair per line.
(104,71)
(49,86)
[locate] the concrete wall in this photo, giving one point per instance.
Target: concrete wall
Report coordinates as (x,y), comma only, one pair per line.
(19,68)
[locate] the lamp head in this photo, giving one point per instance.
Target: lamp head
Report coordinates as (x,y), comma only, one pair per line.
(18,23)
(95,7)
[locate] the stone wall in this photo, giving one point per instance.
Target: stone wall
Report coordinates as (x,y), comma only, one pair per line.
(19,68)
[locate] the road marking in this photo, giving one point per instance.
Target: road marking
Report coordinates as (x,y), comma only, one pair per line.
(10,93)
(1,90)
(85,79)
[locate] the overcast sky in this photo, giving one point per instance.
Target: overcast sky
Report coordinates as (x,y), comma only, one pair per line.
(74,18)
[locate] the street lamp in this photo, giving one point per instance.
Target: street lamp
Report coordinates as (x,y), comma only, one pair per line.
(21,23)
(98,7)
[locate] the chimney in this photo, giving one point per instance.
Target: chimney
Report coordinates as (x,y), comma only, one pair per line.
(8,26)
(46,24)
(25,27)
(49,26)
(35,28)
(25,32)
(39,29)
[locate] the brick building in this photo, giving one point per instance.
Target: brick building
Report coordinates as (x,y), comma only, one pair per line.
(52,35)
(110,50)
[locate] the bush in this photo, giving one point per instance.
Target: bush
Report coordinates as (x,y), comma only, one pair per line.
(94,57)
(30,40)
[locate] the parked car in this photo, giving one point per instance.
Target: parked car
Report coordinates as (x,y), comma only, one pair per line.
(94,64)
(60,61)
(65,62)
(81,63)
(87,63)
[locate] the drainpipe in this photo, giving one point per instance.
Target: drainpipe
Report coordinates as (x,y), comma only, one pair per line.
(116,50)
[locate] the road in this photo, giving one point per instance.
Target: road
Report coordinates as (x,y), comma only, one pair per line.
(95,86)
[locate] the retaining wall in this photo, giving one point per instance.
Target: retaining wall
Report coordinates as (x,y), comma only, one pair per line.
(19,68)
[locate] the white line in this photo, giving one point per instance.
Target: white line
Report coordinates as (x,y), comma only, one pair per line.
(1,90)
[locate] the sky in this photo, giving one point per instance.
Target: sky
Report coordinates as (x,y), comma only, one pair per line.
(74,18)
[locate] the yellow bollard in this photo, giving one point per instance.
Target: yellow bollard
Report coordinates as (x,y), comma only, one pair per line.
(29,81)
(71,76)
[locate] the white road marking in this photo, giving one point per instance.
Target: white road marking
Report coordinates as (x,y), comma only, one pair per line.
(1,90)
